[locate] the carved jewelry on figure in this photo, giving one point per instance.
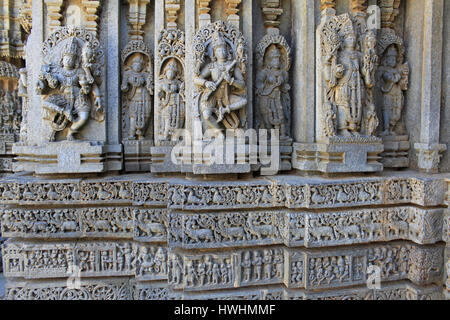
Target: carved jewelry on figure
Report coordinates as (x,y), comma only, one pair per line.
(171,109)
(272,84)
(349,75)
(137,82)
(70,79)
(220,99)
(392,80)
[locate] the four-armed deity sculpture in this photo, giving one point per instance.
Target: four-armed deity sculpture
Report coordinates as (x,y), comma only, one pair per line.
(71,84)
(221,82)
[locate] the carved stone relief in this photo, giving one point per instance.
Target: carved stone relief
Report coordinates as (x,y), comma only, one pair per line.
(220,71)
(137,85)
(69,81)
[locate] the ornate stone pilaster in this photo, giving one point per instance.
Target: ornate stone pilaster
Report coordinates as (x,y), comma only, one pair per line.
(54,13)
(137,17)
(232,11)
(25,16)
(389,11)
(273,59)
(137,88)
(170,84)
(172,7)
(429,149)
(203,10)
(327,4)
(346,118)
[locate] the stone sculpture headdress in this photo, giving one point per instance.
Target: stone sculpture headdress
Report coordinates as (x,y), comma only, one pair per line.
(218,40)
(71,48)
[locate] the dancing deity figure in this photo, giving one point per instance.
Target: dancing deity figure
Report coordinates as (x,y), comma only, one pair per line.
(137,82)
(171,95)
(219,80)
(272,89)
(393,77)
(72,102)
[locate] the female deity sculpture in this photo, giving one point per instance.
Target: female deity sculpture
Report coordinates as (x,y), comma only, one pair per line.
(349,74)
(137,82)
(393,80)
(171,95)
(219,82)
(72,102)
(272,90)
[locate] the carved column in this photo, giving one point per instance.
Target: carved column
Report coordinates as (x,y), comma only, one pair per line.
(346,119)
(233,11)
(203,10)
(138,99)
(303,82)
(54,13)
(392,84)
(170,92)
(273,59)
(429,149)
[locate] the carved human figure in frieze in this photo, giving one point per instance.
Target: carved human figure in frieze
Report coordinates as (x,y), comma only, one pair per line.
(272,85)
(393,81)
(70,85)
(137,83)
(221,82)
(171,97)
(349,75)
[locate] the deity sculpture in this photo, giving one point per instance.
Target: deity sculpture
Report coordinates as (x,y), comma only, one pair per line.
(393,80)
(138,84)
(349,74)
(171,96)
(221,83)
(272,90)
(69,86)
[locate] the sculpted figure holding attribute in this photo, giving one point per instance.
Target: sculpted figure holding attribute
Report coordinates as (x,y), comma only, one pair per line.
(218,82)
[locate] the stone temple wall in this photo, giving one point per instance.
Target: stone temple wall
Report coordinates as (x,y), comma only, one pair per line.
(224,149)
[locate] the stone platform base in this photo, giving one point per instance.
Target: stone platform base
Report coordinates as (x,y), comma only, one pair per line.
(68,157)
(339,155)
(139,236)
(396,152)
(137,155)
(162,161)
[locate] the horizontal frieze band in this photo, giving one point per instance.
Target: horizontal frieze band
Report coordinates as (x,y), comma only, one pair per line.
(293,192)
(304,268)
(229,229)
(126,289)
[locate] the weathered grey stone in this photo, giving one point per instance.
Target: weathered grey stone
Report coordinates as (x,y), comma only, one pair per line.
(134,85)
